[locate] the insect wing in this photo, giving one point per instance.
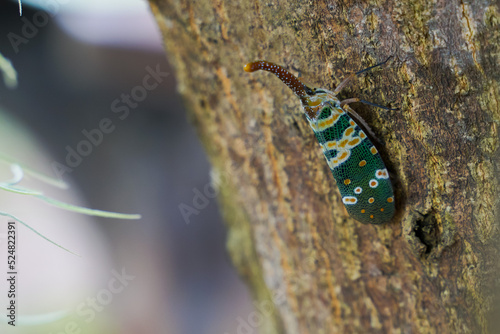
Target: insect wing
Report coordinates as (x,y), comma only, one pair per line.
(356,165)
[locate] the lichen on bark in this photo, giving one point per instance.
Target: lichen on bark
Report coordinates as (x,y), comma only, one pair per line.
(433,268)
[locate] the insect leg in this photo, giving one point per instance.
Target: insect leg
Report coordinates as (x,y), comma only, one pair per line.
(344,83)
(376,65)
(361,121)
(355,99)
(353,75)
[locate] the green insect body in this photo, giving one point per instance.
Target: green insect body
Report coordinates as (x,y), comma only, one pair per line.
(361,175)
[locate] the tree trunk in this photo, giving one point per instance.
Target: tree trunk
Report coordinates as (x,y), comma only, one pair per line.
(433,268)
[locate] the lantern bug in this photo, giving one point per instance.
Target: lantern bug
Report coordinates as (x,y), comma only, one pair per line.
(361,175)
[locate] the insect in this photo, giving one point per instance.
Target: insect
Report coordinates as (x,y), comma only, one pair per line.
(361,175)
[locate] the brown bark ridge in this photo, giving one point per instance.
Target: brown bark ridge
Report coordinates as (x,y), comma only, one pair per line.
(433,268)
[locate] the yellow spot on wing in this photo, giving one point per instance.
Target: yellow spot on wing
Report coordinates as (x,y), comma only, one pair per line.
(349,200)
(343,155)
(354,142)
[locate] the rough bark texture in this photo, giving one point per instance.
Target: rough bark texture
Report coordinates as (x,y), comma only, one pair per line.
(433,268)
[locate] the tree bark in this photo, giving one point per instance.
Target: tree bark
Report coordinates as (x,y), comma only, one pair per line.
(433,268)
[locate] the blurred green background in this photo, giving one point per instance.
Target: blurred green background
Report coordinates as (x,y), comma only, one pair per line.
(81,57)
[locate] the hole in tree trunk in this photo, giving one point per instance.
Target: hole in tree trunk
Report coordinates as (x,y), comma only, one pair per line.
(426,231)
